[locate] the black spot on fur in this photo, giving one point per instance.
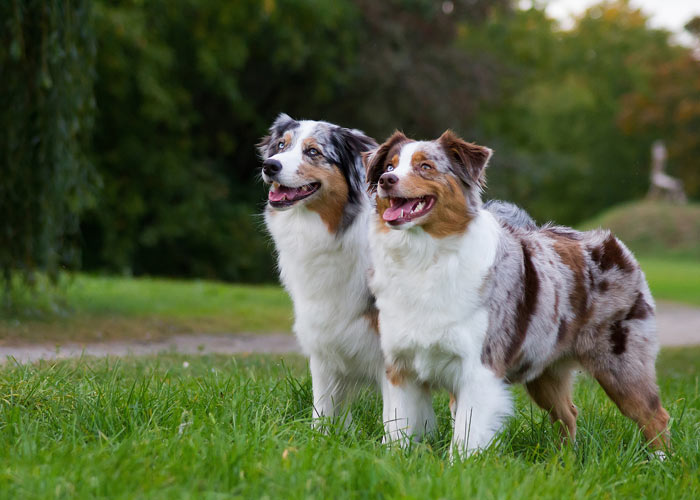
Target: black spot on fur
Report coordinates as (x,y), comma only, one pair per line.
(618,338)
(376,162)
(526,304)
(611,254)
(561,333)
(603,286)
(640,309)
(654,402)
(347,148)
(282,123)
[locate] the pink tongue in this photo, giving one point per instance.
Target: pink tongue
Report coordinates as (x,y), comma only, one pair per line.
(394,212)
(283,193)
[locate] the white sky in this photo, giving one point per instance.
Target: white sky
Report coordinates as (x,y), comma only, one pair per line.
(668,14)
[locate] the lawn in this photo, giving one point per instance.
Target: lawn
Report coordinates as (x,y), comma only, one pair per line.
(219,427)
(675,280)
(89,308)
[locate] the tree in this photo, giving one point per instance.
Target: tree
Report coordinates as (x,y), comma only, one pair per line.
(46,111)
(669,109)
(554,121)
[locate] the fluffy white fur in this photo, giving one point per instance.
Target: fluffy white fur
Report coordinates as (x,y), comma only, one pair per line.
(326,275)
(326,278)
(427,290)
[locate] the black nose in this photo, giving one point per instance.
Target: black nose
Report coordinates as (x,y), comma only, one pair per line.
(388,180)
(271,167)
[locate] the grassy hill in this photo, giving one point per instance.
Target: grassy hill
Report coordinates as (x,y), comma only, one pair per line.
(654,229)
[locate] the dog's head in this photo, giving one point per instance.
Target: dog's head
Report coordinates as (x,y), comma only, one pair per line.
(432,184)
(314,164)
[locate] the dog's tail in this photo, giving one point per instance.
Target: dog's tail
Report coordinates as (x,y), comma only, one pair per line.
(511,214)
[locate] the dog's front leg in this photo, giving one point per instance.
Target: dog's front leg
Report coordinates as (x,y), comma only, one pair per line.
(482,402)
(330,395)
(408,411)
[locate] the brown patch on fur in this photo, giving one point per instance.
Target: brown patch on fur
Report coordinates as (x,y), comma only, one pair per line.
(375,161)
(453,404)
(468,159)
(372,315)
(333,194)
(382,204)
(603,286)
(487,360)
(395,375)
(571,255)
(526,305)
(561,333)
(418,158)
(309,143)
(552,393)
(449,216)
(639,400)
(640,309)
(611,254)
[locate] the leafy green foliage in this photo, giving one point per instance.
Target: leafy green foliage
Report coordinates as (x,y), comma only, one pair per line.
(209,427)
(47,51)
(185,88)
(556,116)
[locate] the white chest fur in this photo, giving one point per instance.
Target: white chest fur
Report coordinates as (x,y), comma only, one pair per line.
(432,318)
(326,276)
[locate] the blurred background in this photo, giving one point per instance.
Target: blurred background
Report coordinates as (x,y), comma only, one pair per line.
(129,126)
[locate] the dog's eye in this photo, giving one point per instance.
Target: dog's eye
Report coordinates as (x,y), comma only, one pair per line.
(312,152)
(389,167)
(280,145)
(425,166)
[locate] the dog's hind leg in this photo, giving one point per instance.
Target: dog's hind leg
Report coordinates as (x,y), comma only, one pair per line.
(638,398)
(623,363)
(552,392)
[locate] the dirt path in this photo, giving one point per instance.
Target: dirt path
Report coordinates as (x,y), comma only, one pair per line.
(678,325)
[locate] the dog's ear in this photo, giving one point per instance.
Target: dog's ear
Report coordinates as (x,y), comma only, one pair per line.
(375,160)
(354,141)
(282,123)
(347,146)
(468,160)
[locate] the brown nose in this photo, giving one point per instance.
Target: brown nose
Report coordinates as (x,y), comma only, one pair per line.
(388,180)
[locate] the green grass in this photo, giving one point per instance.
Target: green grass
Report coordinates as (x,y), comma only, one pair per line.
(238,428)
(675,280)
(90,308)
(94,308)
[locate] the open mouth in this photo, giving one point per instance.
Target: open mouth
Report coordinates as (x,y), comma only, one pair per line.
(284,196)
(404,210)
